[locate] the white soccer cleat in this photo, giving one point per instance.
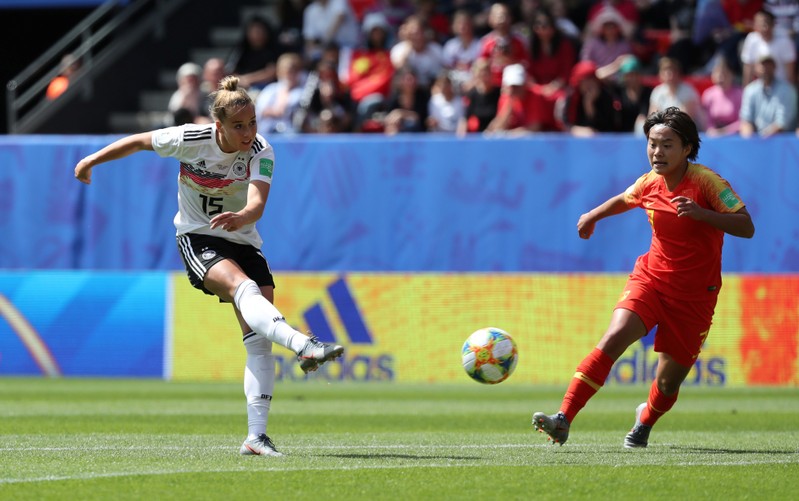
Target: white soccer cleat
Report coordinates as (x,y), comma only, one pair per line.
(259,446)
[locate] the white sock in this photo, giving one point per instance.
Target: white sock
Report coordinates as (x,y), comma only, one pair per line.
(259,382)
(264,319)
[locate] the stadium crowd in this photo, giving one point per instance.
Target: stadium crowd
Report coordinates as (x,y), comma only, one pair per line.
(511,67)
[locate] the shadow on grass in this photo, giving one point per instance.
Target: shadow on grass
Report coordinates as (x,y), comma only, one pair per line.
(402,456)
(716,450)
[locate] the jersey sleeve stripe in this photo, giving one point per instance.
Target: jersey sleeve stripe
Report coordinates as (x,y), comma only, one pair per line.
(257,146)
(198,135)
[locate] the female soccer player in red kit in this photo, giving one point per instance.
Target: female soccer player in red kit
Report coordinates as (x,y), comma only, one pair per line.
(674,286)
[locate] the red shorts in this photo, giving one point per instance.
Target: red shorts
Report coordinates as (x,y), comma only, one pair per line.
(682,325)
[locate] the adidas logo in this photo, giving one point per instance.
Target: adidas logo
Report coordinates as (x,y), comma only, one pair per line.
(347,310)
(362,365)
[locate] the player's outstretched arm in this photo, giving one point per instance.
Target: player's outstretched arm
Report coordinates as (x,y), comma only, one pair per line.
(118,149)
(613,206)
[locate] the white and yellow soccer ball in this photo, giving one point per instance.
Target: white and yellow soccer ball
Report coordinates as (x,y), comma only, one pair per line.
(489,355)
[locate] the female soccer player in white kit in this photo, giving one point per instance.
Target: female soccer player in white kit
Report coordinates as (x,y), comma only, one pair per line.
(224,181)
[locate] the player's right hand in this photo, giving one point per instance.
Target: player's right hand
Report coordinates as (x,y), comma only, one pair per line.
(585,227)
(83,172)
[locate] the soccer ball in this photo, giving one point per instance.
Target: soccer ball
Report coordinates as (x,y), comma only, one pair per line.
(489,355)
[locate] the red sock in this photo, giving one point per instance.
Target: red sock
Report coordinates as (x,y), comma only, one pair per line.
(589,378)
(657,405)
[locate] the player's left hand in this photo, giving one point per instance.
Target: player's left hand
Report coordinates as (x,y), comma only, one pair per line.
(228,221)
(687,207)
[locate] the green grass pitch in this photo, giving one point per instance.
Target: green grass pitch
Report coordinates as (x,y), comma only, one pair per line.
(86,439)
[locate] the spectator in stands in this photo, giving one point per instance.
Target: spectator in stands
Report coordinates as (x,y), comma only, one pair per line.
(325,22)
(407,106)
(515,102)
(523,13)
(481,99)
(675,91)
(277,102)
(722,101)
(626,83)
(213,73)
(370,69)
(330,95)
(501,47)
(188,95)
(460,51)
(769,102)
(254,59)
(445,109)
(417,51)
(58,85)
(607,38)
(552,56)
(764,40)
(589,108)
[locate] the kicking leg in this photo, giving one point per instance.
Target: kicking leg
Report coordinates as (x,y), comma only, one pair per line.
(625,328)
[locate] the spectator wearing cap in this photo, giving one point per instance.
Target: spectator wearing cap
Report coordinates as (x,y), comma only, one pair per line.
(513,109)
(501,47)
(673,90)
(769,102)
(589,108)
(607,38)
(721,102)
(370,68)
(765,40)
(188,95)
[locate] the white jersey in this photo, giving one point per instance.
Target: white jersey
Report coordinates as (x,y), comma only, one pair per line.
(212,181)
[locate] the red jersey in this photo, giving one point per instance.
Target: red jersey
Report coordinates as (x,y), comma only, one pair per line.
(501,52)
(371,72)
(519,109)
(684,258)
